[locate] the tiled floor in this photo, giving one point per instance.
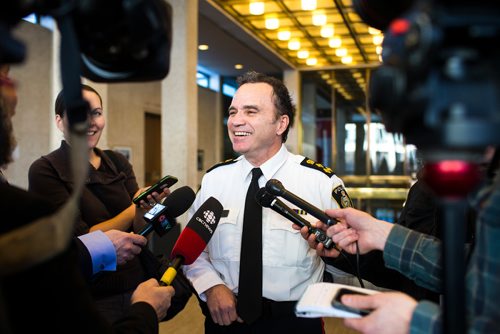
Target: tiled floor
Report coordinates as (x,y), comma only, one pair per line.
(190,321)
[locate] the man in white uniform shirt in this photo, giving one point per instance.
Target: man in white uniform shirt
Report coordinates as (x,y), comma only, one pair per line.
(260,116)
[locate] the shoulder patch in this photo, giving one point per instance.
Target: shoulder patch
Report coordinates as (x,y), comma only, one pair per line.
(224,163)
(316,165)
(340,195)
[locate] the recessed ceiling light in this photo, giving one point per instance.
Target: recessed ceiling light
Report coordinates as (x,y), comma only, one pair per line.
(335,42)
(238,66)
(256,8)
(303,54)
(272,22)
(294,44)
(203,47)
(308,4)
(341,52)
(327,31)
(284,35)
(346,60)
(311,61)
(319,18)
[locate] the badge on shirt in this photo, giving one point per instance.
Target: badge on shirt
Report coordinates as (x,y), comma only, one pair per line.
(341,197)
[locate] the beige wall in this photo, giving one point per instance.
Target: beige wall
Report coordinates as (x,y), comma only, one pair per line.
(127,104)
(124,104)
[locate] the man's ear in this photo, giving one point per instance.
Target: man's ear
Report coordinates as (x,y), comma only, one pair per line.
(283,122)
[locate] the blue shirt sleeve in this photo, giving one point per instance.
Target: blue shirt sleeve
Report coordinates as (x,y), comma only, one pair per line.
(101,251)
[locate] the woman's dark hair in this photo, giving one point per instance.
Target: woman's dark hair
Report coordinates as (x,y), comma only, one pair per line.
(60,106)
(282,100)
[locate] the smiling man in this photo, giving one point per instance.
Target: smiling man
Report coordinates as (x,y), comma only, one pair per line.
(281,264)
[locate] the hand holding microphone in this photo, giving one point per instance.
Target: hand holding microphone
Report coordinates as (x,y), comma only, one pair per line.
(194,238)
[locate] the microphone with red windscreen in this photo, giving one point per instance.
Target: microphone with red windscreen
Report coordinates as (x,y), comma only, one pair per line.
(194,238)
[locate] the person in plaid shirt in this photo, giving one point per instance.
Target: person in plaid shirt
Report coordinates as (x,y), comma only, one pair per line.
(419,257)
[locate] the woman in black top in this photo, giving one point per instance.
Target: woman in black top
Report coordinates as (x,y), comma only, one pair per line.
(106,203)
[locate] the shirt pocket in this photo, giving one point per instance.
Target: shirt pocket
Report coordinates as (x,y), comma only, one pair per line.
(225,243)
(283,245)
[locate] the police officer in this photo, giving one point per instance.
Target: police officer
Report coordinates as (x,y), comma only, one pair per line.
(260,116)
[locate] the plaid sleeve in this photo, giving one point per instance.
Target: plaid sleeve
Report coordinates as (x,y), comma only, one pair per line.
(415,255)
(426,319)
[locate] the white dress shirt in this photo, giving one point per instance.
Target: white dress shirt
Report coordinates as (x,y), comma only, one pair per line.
(289,265)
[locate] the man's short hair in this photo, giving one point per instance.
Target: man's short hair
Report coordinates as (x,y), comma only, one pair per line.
(281,96)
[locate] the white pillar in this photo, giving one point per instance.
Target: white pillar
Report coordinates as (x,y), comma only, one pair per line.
(179,97)
(291,79)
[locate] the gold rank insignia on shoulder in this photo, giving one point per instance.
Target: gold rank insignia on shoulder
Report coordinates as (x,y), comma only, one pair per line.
(223,163)
(300,212)
(316,165)
(340,196)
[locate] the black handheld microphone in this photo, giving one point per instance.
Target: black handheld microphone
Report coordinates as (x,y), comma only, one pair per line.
(267,200)
(161,217)
(276,188)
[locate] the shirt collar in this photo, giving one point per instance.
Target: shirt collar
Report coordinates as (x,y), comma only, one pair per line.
(270,167)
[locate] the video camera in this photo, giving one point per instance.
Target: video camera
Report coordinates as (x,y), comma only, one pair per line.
(439,81)
(118,40)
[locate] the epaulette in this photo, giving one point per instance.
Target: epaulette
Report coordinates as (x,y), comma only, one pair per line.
(316,165)
(224,163)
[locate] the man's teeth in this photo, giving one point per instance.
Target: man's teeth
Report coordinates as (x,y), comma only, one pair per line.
(90,133)
(240,133)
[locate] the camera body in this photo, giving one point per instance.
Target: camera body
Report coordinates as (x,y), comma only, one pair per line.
(117,40)
(439,81)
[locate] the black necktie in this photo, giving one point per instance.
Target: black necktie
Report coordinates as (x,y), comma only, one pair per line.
(250,281)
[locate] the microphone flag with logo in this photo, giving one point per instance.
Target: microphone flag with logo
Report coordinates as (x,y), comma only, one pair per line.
(161,218)
(194,237)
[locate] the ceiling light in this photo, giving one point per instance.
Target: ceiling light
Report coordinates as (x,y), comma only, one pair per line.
(256,8)
(346,60)
(308,4)
(335,42)
(303,54)
(319,18)
(238,66)
(378,50)
(341,52)
(373,31)
(311,61)
(327,31)
(272,22)
(203,47)
(378,39)
(284,35)
(294,44)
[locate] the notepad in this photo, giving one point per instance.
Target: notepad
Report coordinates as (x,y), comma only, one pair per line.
(317,301)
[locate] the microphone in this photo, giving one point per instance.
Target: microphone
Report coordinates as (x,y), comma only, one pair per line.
(267,200)
(161,217)
(276,188)
(194,238)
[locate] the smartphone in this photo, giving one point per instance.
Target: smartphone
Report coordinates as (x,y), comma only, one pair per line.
(338,304)
(165,182)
